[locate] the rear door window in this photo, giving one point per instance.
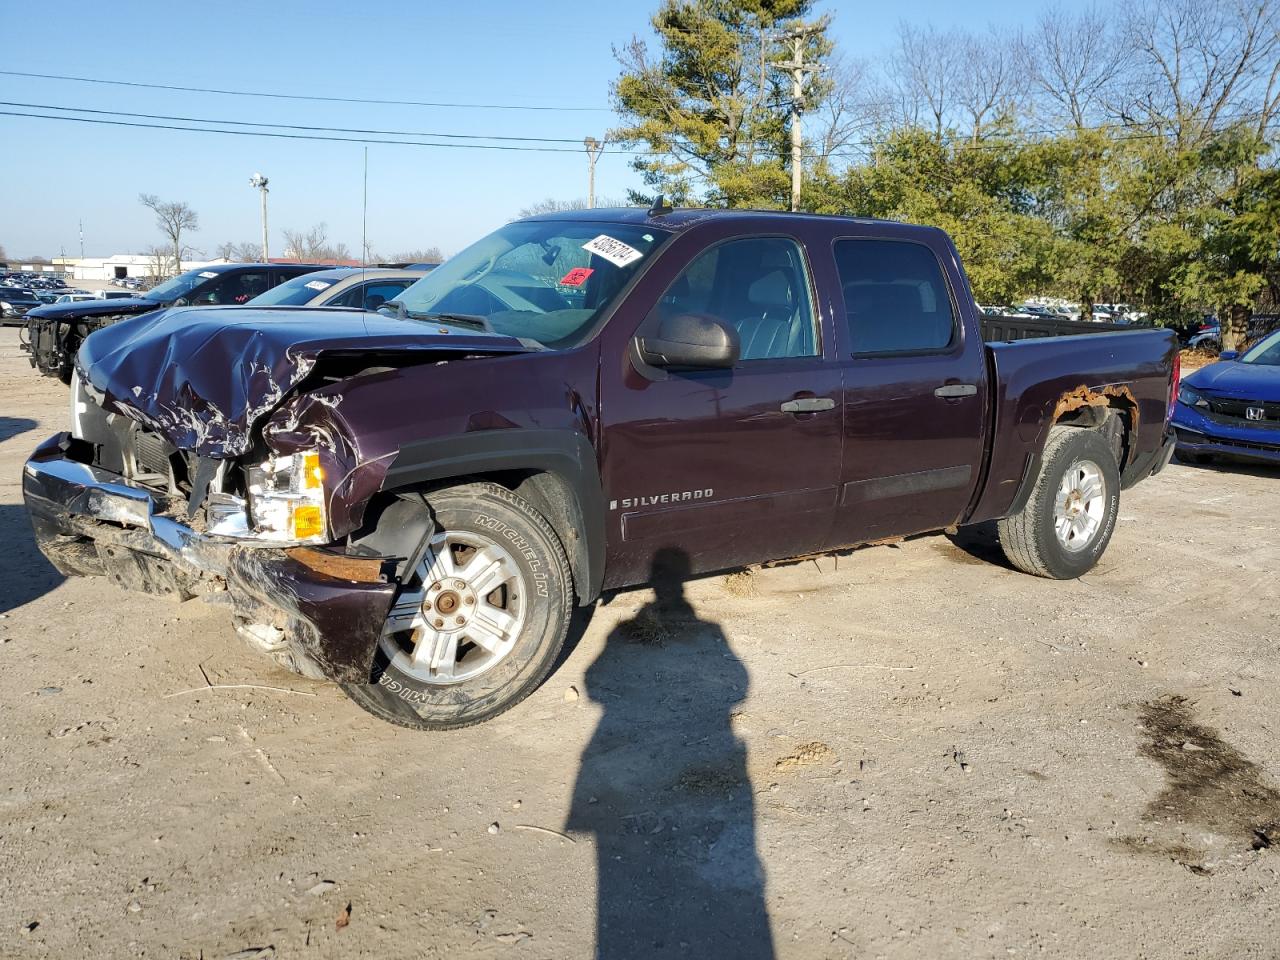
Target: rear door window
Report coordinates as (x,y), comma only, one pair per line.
(371,295)
(895,297)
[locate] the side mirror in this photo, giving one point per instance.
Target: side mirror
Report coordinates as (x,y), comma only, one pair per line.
(691,340)
(1228,354)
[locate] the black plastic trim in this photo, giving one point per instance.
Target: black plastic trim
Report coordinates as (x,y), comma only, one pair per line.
(565,453)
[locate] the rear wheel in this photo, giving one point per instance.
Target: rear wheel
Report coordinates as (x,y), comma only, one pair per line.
(1068,520)
(479,623)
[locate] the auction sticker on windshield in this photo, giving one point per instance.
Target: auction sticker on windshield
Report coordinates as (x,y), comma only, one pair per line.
(317,285)
(576,277)
(209,274)
(615,251)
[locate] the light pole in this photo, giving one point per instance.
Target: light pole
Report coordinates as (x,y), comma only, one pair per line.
(259,181)
(594,147)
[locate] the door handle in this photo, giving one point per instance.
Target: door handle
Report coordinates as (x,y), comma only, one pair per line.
(951,391)
(808,405)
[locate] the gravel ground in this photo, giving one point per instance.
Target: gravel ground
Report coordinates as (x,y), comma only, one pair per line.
(905,751)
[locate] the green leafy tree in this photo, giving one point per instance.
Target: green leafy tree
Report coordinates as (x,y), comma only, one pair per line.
(712,108)
(979,194)
(1222,251)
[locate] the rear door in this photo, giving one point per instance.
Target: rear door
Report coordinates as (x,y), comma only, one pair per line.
(914,387)
(724,467)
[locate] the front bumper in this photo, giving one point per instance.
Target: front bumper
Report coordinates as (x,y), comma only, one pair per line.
(1202,434)
(317,613)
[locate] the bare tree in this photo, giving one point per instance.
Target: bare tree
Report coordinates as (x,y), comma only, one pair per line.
(3,255)
(173,217)
(853,109)
(158,262)
(240,252)
(987,81)
(1201,65)
(314,245)
(551,205)
(923,75)
(1072,63)
(427,255)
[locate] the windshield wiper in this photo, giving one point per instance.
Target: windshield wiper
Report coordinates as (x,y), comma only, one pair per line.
(466,319)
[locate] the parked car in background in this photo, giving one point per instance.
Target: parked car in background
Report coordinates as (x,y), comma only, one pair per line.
(74,297)
(55,332)
(16,303)
(1208,335)
(1232,408)
(412,504)
(354,287)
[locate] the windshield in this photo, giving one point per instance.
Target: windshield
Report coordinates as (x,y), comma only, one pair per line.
(1266,353)
(546,281)
(293,293)
(179,286)
(17,296)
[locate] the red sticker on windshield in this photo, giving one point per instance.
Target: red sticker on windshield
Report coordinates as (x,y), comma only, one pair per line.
(576,277)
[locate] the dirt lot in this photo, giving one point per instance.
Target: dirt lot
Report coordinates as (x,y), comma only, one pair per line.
(910,752)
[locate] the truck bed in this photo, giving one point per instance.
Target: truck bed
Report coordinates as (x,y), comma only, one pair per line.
(1028,328)
(1038,379)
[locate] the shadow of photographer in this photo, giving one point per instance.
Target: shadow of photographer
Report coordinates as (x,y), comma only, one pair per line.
(663,788)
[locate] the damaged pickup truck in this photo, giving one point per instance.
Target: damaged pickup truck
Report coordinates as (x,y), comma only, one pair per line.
(410,503)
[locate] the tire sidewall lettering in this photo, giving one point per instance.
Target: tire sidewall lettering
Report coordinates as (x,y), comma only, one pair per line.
(522,546)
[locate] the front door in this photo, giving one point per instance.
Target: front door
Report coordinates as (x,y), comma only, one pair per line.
(726,467)
(914,393)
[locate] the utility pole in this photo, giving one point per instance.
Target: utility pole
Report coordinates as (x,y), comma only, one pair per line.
(81,239)
(797,68)
(259,181)
(594,148)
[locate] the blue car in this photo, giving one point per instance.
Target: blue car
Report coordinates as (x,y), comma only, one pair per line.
(1232,408)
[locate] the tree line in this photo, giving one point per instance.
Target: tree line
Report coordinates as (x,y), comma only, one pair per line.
(1123,153)
(176,220)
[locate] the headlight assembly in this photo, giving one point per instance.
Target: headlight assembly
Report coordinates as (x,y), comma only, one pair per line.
(286,498)
(1192,397)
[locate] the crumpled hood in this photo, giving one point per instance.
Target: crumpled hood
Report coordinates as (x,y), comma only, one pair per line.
(1239,381)
(202,377)
(95,308)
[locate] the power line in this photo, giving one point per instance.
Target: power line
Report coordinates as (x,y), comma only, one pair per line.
(843,152)
(297,96)
(290,126)
(304,136)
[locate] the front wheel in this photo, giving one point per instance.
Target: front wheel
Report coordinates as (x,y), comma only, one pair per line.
(1068,520)
(479,624)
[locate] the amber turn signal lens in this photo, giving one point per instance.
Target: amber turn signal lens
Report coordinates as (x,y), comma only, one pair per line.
(312,472)
(308,522)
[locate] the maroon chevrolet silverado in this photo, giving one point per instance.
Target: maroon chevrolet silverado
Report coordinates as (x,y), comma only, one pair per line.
(410,503)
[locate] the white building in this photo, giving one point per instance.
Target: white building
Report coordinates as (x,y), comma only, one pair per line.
(118,267)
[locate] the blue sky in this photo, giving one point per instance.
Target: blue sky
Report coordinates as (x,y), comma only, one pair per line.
(545,53)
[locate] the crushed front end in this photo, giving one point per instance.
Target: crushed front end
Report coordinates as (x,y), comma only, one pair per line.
(113,498)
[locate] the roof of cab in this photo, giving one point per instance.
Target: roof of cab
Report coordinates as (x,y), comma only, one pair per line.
(224,267)
(337,274)
(681,218)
